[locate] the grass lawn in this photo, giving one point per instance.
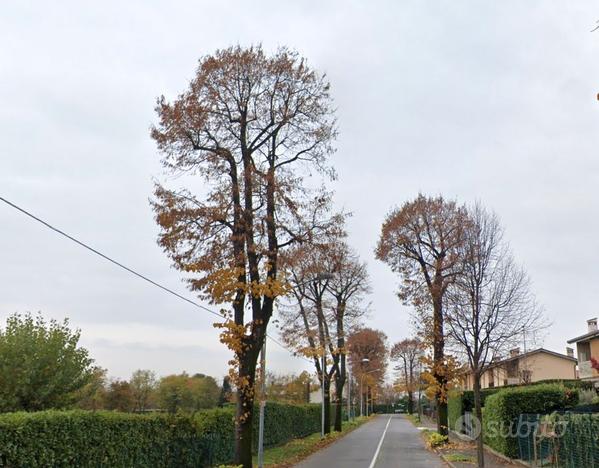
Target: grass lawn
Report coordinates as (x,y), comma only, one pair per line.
(460,457)
(413,418)
(298,449)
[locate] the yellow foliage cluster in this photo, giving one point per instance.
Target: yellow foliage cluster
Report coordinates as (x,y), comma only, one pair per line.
(270,288)
(446,371)
(223,285)
(234,336)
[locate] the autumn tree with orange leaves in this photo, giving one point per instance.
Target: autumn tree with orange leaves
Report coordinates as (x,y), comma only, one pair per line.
(368,359)
(421,241)
(243,137)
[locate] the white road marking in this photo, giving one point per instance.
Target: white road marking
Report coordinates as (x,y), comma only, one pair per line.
(378,449)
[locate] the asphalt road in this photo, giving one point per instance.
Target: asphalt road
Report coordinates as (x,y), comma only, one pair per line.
(389,441)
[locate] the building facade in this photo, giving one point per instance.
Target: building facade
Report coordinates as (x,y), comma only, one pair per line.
(587,348)
(522,368)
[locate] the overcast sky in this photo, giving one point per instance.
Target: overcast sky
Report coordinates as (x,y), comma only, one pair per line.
(490,101)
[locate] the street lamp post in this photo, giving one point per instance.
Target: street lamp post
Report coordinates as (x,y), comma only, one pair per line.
(318,277)
(348,394)
(324,360)
(419,391)
(361,388)
(364,361)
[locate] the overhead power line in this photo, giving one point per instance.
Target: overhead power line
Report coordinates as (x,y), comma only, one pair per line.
(126,268)
(106,257)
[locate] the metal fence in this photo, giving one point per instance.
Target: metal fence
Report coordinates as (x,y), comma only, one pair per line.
(468,425)
(566,440)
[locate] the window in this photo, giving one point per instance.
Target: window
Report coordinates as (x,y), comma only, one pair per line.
(512,368)
(584,351)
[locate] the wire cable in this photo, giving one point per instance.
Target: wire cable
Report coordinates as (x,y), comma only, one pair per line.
(130,270)
(91,249)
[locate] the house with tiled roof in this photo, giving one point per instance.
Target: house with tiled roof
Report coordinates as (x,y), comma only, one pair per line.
(587,348)
(523,368)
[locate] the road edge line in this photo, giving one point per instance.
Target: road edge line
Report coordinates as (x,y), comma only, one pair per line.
(378,448)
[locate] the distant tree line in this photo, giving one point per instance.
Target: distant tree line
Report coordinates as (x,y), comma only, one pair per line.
(144,392)
(42,366)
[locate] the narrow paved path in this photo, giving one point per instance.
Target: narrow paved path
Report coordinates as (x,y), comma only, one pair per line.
(389,441)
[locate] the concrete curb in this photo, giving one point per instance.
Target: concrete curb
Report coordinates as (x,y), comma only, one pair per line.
(493,451)
(447,462)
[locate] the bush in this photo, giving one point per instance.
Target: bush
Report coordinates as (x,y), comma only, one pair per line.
(503,408)
(434,439)
(86,439)
(468,395)
(43,365)
(586,397)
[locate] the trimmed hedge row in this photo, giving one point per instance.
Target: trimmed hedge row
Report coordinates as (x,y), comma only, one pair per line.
(501,411)
(92,439)
(80,438)
(468,395)
(455,408)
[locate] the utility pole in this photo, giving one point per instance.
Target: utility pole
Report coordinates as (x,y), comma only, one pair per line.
(362,362)
(367,388)
(348,394)
(419,391)
(324,360)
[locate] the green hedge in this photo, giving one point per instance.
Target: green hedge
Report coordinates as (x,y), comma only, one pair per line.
(80,438)
(503,408)
(286,422)
(93,439)
(455,405)
(468,395)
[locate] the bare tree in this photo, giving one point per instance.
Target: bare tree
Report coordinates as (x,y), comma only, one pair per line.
(490,305)
(252,127)
(348,286)
(329,284)
(421,241)
(304,322)
(408,353)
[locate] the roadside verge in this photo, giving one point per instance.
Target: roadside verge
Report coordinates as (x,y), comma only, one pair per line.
(293,452)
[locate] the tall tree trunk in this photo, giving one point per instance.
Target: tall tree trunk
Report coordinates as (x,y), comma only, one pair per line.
(340,375)
(410,402)
(339,383)
(327,405)
(439,357)
(244,415)
(480,450)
